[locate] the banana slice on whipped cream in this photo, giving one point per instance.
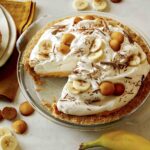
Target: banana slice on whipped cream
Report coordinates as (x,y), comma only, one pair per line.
(45,45)
(142,56)
(96,50)
(97,44)
(71,88)
(78,86)
(137,59)
(81,85)
(96,56)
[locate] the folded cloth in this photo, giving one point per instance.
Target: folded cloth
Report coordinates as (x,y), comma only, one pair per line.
(22,13)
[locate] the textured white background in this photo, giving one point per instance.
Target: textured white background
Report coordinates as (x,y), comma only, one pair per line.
(45,135)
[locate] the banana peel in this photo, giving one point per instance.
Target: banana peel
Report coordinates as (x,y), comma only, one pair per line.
(118,140)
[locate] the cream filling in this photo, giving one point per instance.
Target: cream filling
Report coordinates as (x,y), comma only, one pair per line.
(82,104)
(56,60)
(51,66)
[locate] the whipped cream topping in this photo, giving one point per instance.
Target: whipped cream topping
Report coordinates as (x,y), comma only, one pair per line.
(80,46)
(111,67)
(92,101)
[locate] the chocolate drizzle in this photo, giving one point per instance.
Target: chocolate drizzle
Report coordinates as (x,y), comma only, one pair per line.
(96,91)
(129,38)
(106,28)
(142,78)
(115,65)
(128,77)
(88,102)
(58,28)
(101,32)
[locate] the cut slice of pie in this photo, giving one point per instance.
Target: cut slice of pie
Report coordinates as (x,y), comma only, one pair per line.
(106,62)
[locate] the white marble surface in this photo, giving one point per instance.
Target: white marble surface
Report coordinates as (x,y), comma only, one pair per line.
(45,135)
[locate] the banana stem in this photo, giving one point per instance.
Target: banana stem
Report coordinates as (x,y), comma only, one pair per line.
(90,144)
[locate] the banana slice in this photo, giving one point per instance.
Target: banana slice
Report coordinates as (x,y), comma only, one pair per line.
(142,56)
(96,45)
(135,61)
(81,85)
(45,45)
(80,4)
(99,5)
(8,142)
(94,57)
(71,88)
(5,131)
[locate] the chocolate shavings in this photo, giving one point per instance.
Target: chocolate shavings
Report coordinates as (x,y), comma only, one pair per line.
(114,65)
(129,38)
(128,77)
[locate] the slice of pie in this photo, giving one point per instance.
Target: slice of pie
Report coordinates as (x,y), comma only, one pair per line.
(106,62)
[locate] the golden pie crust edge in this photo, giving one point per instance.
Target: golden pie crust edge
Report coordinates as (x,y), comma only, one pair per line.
(107,116)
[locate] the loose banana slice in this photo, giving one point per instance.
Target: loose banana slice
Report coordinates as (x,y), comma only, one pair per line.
(81,85)
(99,5)
(135,60)
(96,45)
(71,88)
(142,56)
(94,57)
(80,4)
(8,142)
(4,131)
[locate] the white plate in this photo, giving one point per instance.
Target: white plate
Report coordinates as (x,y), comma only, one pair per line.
(13,35)
(4,29)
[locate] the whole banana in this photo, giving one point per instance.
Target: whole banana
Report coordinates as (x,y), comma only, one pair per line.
(118,140)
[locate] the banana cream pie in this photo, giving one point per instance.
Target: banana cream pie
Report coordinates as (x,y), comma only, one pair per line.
(106,62)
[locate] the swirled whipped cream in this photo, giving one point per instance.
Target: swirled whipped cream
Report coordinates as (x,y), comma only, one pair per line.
(91,60)
(92,101)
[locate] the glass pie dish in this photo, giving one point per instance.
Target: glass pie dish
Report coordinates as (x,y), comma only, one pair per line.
(53,86)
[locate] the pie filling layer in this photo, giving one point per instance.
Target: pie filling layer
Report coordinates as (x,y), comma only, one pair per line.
(106,68)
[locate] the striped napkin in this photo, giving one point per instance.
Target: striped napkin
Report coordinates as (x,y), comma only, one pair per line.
(22,13)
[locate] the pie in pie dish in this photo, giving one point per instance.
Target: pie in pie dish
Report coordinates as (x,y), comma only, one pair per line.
(106,62)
